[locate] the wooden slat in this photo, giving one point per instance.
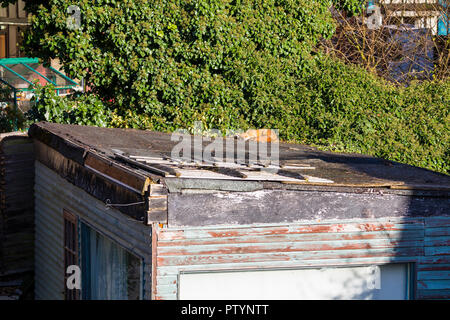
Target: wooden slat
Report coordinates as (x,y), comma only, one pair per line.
(275,256)
(439,284)
(116,172)
(270,264)
(438,222)
(162,170)
(16,203)
(435,232)
(420,187)
(437,241)
(433,267)
(232,172)
(240,174)
(355,236)
(298,167)
(167,280)
(292,229)
(166,290)
(156,204)
(437,251)
(158,190)
(287,247)
(433,275)
(433,294)
(154,264)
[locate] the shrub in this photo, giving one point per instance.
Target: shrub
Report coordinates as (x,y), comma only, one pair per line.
(81,109)
(10,117)
(162,65)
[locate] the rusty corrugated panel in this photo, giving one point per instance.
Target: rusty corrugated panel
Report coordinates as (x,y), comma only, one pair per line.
(277,246)
(53,194)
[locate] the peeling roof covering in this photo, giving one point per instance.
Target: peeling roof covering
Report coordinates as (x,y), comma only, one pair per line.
(148,154)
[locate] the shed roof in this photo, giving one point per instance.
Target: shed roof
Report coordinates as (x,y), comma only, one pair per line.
(147,154)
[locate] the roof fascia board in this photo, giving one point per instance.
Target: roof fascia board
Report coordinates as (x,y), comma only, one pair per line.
(90,159)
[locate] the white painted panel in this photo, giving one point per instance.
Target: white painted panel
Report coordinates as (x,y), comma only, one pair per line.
(383,282)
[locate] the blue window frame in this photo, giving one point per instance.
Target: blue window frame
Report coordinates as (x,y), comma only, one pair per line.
(109,272)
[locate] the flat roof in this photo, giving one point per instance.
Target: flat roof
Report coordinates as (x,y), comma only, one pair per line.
(148,154)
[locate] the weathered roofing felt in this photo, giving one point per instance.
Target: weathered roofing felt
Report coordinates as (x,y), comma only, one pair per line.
(316,169)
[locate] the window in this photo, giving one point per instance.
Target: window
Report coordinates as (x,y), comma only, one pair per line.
(70,251)
(392,282)
(109,272)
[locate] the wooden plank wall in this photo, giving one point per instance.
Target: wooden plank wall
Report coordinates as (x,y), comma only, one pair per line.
(16,203)
(433,276)
(424,241)
(53,195)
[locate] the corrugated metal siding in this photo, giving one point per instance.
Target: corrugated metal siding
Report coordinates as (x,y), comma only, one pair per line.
(16,203)
(53,194)
(329,243)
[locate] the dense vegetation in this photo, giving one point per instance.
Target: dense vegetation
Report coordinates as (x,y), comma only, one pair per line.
(162,65)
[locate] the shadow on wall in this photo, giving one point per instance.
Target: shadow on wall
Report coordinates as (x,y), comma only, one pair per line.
(16,216)
(426,210)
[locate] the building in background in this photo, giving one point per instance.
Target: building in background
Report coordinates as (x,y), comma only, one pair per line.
(415,31)
(429,14)
(13,20)
(443,23)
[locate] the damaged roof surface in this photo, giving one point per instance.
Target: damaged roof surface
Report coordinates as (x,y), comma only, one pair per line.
(148,153)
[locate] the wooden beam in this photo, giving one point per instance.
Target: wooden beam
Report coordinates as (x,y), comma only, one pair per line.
(155,168)
(156,204)
(94,183)
(116,172)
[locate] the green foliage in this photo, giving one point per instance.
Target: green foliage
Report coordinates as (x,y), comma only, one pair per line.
(5,3)
(81,109)
(10,117)
(351,110)
(232,64)
(352,7)
(172,60)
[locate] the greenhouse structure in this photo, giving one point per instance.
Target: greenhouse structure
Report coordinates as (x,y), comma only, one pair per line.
(18,76)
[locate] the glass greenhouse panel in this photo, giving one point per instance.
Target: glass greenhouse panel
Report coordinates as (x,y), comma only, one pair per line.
(12,79)
(52,75)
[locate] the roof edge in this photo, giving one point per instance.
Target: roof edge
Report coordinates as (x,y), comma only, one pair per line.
(91,160)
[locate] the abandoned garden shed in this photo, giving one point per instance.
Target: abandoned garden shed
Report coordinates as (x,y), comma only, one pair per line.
(141,224)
